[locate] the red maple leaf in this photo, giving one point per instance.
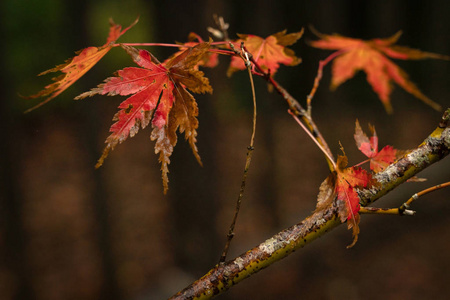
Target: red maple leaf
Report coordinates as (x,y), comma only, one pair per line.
(347,180)
(74,68)
(372,58)
(341,187)
(369,146)
(269,53)
(159,96)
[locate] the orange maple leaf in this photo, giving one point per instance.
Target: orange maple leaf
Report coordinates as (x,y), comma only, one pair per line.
(269,53)
(159,97)
(372,58)
(369,147)
(74,68)
(210,59)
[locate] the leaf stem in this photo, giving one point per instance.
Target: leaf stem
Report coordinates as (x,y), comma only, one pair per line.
(166,45)
(361,163)
(312,137)
(222,51)
(322,64)
(151,44)
(219,51)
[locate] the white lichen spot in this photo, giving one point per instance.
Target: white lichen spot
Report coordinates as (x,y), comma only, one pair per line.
(446,135)
(268,246)
(387,175)
(320,222)
(418,159)
(240,263)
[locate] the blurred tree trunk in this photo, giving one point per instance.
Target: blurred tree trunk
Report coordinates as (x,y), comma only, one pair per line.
(110,289)
(11,201)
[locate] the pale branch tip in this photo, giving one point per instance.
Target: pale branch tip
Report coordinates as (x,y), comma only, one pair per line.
(403,210)
(222,32)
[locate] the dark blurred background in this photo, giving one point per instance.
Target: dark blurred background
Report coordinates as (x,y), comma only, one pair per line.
(68,231)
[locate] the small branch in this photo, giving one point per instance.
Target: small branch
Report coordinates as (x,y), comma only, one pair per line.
(403,209)
(416,196)
(223,276)
(386,211)
(245,56)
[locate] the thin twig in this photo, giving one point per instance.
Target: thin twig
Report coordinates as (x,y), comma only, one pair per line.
(386,211)
(406,205)
(403,210)
(245,56)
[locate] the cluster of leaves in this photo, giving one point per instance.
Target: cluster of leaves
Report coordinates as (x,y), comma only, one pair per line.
(369,147)
(160,91)
(160,94)
(343,183)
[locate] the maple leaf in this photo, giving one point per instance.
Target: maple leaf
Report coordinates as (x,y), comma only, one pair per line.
(269,53)
(340,186)
(159,96)
(369,147)
(210,59)
(74,68)
(372,58)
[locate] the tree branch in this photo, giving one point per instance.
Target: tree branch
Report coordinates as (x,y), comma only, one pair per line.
(219,279)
